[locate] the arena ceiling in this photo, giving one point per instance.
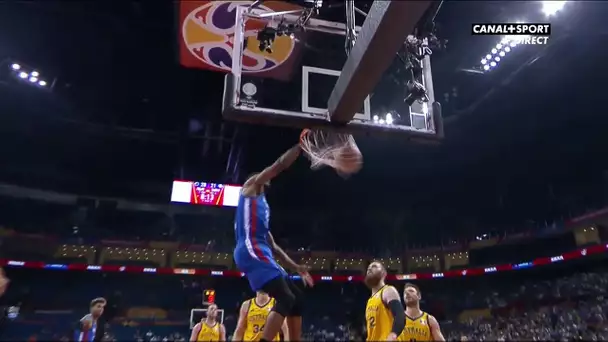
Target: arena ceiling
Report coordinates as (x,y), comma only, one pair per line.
(124,116)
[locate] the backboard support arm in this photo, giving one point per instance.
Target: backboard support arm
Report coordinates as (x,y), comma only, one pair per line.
(385,28)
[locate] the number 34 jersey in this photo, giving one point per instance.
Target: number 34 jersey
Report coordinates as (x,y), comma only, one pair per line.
(378,317)
(256,318)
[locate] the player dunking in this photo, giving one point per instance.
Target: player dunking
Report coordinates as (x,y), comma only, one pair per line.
(419,325)
(209,329)
(255,250)
(384,315)
(252,318)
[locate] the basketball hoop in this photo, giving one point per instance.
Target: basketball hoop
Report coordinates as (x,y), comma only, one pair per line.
(337,150)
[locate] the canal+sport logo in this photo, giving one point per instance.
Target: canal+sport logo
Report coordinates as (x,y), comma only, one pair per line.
(520,33)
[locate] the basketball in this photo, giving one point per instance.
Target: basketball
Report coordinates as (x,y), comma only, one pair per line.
(348,160)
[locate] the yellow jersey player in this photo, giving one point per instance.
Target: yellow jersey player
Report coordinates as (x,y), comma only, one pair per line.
(252,318)
(419,325)
(209,329)
(384,313)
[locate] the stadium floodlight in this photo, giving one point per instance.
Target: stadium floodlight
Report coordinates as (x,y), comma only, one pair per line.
(389,119)
(386,119)
(26,73)
(500,51)
(550,8)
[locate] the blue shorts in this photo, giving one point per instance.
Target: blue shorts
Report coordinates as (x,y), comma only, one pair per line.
(259,269)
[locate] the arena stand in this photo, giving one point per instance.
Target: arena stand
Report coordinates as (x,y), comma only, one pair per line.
(559,284)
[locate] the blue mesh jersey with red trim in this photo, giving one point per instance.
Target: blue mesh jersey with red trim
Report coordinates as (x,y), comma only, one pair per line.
(253,253)
(86,335)
(252,226)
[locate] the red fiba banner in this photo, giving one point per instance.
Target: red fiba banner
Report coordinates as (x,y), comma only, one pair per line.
(206,33)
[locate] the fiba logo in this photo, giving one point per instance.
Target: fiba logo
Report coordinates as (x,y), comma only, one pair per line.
(249,89)
(208,34)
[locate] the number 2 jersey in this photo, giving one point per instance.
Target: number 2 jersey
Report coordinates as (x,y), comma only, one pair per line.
(378,317)
(256,319)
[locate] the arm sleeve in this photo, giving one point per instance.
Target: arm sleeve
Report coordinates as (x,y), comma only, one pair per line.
(398,315)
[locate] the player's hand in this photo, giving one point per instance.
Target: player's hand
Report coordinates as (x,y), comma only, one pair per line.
(303,272)
(3,282)
(391,337)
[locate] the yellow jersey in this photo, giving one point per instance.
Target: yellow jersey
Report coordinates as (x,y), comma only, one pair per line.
(256,319)
(209,333)
(416,329)
(378,317)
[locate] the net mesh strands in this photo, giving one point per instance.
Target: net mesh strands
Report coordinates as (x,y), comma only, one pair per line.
(326,148)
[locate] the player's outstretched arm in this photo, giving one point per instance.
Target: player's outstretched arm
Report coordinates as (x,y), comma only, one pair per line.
(277,167)
(195,331)
(436,334)
(281,255)
(241,324)
(222,332)
(289,263)
(391,298)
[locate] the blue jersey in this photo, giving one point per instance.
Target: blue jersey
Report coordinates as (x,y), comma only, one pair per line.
(86,335)
(253,253)
(252,225)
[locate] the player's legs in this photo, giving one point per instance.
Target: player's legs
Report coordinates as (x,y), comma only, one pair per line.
(294,319)
(279,289)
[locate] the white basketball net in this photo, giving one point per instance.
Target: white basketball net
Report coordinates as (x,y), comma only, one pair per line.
(322,147)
